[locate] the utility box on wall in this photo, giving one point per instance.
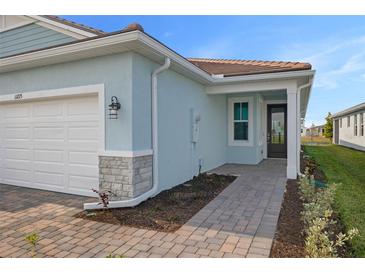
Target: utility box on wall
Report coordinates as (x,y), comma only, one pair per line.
(195,125)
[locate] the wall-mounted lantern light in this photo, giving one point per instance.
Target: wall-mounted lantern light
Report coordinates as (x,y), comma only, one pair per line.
(113,108)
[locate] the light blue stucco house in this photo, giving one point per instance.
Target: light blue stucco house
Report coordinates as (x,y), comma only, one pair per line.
(83,109)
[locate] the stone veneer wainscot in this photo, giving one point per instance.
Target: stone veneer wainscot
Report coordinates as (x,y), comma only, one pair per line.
(125,177)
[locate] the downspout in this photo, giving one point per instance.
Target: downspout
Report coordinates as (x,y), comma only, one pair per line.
(154,136)
(299,123)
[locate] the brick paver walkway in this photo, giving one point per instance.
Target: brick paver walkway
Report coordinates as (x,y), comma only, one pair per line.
(239,222)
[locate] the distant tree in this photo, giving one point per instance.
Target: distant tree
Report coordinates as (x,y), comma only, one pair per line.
(328,127)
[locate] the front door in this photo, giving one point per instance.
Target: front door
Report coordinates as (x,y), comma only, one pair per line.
(276,131)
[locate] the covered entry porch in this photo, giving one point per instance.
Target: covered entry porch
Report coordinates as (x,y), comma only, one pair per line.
(264,119)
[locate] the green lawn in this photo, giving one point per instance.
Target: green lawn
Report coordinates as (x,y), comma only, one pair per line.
(346,167)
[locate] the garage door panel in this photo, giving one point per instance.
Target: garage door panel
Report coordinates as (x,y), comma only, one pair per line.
(16,111)
(83,133)
(45,178)
(16,144)
(16,174)
(17,133)
(50,167)
(83,183)
(83,107)
(47,144)
(49,155)
(17,154)
(48,109)
(82,170)
(83,146)
(49,133)
(17,183)
(17,164)
(79,157)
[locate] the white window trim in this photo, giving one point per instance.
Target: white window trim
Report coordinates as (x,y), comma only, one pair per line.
(231,141)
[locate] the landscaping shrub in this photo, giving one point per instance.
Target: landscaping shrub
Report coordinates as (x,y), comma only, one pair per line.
(317,216)
(33,239)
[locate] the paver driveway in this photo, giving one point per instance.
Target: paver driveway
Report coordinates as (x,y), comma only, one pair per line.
(239,222)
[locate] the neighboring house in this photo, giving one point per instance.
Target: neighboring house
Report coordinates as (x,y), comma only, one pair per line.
(61,127)
(315,131)
(348,127)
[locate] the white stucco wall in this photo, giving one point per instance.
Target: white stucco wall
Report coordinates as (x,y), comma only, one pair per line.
(346,133)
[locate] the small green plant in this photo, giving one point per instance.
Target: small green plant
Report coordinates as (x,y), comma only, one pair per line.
(114,256)
(318,204)
(306,186)
(33,240)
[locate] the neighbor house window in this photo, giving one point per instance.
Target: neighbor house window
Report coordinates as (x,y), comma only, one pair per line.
(355,124)
(348,121)
(361,124)
(240,121)
(341,122)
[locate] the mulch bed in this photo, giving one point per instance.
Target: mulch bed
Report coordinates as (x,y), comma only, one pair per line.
(289,240)
(170,209)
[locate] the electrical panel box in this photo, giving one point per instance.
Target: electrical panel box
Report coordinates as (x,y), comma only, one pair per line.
(195,125)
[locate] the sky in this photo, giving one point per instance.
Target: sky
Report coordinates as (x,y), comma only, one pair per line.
(334,45)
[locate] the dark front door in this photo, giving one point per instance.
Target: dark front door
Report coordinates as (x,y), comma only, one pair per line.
(276,131)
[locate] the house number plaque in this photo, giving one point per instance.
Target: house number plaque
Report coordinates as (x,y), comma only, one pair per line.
(18,96)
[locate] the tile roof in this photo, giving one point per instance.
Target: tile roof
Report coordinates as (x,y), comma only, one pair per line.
(246,67)
(74,24)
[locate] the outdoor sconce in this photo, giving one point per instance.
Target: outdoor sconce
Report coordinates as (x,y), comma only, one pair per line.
(113,108)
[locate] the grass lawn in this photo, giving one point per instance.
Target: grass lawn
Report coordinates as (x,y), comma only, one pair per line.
(345,166)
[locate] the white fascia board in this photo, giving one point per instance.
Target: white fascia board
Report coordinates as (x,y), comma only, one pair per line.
(62,26)
(265,76)
(61,30)
(251,86)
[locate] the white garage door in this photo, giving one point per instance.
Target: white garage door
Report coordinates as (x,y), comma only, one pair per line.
(51,144)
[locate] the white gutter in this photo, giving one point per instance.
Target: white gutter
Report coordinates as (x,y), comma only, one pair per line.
(264,76)
(154,112)
(300,88)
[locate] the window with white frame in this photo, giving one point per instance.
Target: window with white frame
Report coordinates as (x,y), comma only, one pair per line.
(240,121)
(355,124)
(361,124)
(340,122)
(348,121)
